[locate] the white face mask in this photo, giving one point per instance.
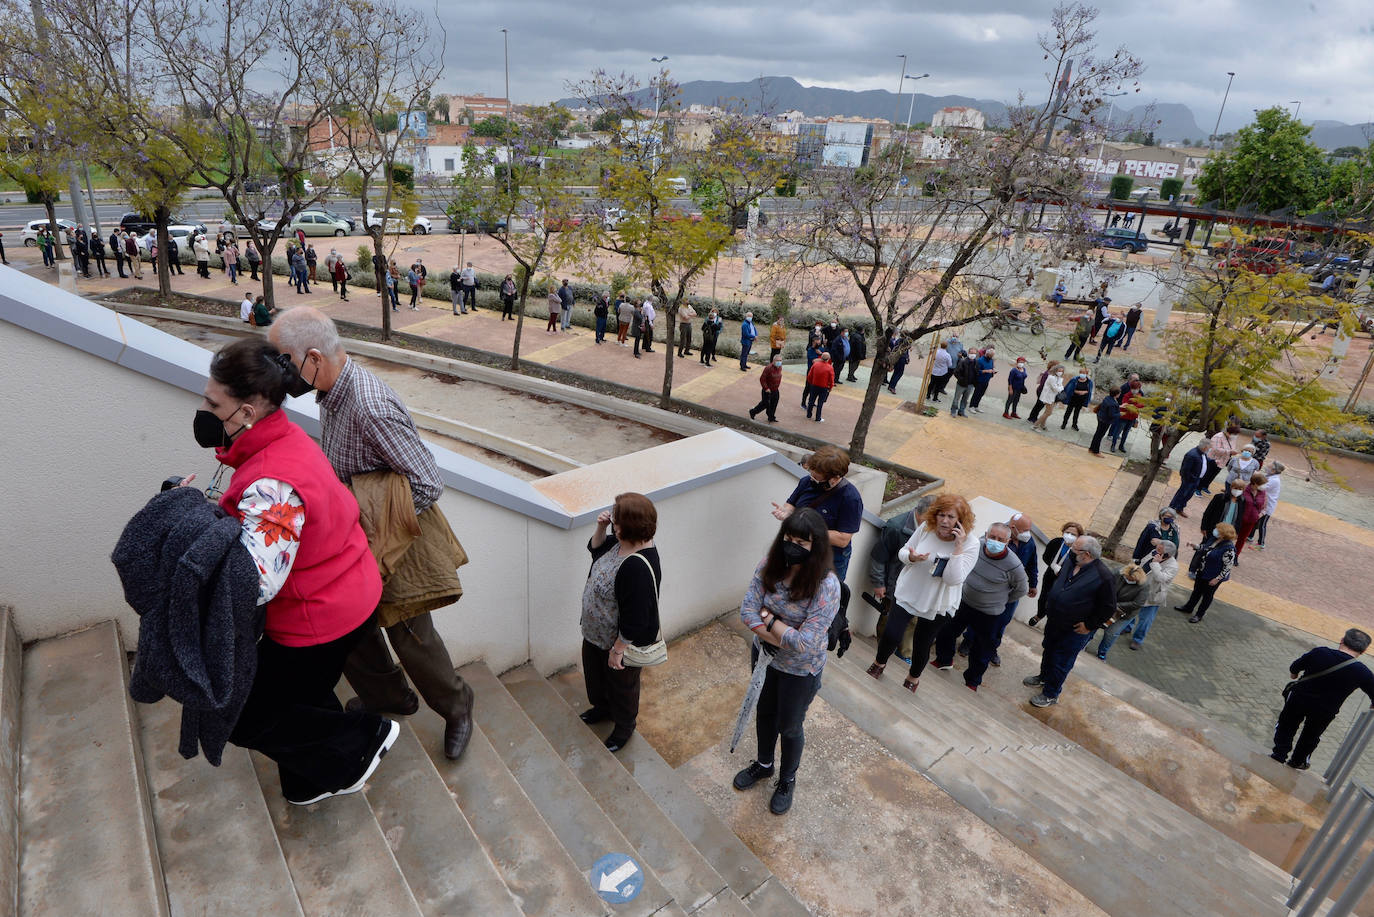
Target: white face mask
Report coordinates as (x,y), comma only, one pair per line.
(1070,538)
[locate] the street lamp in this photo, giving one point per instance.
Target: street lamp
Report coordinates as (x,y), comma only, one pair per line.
(909,110)
(658,90)
(901,84)
(1111,110)
(1297,115)
(505,42)
(1230,75)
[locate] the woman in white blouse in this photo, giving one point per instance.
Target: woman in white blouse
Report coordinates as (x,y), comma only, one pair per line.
(937,559)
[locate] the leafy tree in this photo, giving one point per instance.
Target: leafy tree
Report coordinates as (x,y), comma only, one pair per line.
(1344,152)
(1350,188)
(533,189)
(1237,354)
(439,108)
(1272,165)
(608,122)
(667,249)
(735,167)
(493,127)
(386,122)
(924,265)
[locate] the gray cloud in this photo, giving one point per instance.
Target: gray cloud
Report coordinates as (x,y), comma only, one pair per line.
(1321,53)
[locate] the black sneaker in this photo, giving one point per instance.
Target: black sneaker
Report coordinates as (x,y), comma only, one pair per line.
(996,660)
(782,797)
(752,775)
(387,733)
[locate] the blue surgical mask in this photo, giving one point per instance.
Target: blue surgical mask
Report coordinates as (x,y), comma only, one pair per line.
(1216,533)
(994,546)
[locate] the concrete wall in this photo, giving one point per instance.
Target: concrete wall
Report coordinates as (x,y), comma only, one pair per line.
(99,409)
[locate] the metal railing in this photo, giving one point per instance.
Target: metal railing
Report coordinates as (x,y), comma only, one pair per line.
(1349,754)
(1343,834)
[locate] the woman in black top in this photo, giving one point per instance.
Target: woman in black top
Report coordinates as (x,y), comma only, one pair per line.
(1057,554)
(619,608)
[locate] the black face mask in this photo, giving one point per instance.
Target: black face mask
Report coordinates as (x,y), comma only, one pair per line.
(296,386)
(793,553)
(209,431)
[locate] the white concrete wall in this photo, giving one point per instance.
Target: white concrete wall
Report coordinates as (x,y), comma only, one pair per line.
(86,438)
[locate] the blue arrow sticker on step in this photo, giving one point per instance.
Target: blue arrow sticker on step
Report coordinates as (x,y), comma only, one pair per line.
(617,878)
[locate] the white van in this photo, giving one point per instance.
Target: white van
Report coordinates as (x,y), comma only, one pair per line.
(679,185)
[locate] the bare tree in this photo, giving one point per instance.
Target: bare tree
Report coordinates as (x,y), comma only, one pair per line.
(929,245)
(384,76)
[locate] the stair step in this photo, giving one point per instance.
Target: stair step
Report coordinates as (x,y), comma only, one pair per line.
(11,665)
(339,860)
(726,904)
(1226,741)
(880,716)
(534,866)
(681,868)
(584,830)
(209,816)
(441,858)
(78,745)
(745,874)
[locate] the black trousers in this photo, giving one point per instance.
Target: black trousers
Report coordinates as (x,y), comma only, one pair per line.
(1046,581)
(507,307)
(470,295)
(1013,401)
(1103,426)
(927,630)
(768,403)
(293,716)
(119,263)
(708,349)
(1201,599)
(1213,469)
(1313,720)
(983,641)
(783,703)
(853,365)
(1071,415)
(1036,409)
(614,691)
(253,268)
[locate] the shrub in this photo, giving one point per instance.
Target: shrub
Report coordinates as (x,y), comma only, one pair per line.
(781,303)
(1170,188)
(403,174)
(364,262)
(1121,187)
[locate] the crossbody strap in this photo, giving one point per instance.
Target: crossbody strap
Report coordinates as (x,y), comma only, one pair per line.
(1309,677)
(655,582)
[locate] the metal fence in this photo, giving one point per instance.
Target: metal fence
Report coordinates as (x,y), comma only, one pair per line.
(1349,754)
(1348,826)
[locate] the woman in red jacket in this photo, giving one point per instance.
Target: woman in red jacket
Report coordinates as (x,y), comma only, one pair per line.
(1250,509)
(319,582)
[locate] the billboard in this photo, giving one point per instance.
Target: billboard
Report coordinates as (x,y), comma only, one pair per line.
(414,124)
(847,144)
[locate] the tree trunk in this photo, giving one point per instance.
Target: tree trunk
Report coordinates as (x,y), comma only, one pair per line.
(1160,448)
(519,322)
(269,296)
(164,273)
(859,438)
(665,395)
(379,270)
(51,208)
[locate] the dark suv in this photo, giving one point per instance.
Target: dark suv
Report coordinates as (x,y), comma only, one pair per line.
(140,223)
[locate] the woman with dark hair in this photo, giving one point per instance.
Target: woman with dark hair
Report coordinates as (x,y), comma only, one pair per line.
(789,604)
(938,557)
(1218,556)
(319,583)
(619,609)
(1058,552)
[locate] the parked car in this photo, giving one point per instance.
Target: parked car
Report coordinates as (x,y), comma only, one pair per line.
(562,224)
(679,185)
(1263,256)
(320,223)
(1124,239)
(476,224)
(140,223)
(29,234)
(396,222)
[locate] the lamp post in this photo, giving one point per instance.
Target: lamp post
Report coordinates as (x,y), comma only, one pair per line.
(901,84)
(1297,115)
(1230,75)
(1111,110)
(658,93)
(505,42)
(909,110)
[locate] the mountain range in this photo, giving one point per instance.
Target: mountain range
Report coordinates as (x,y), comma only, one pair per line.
(1169,121)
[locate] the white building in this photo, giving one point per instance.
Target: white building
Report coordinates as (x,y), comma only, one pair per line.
(958,116)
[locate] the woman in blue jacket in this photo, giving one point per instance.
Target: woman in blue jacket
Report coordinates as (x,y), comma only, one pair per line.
(986,370)
(1214,570)
(1016,387)
(1078,391)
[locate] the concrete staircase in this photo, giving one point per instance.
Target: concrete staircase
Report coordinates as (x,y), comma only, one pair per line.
(1089,810)
(100,815)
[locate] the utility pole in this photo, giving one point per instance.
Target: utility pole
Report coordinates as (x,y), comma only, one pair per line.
(505,42)
(658,99)
(1230,75)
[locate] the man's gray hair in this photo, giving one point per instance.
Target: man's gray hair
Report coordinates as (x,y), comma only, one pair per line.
(302,328)
(1166,547)
(1000,525)
(1089,544)
(1356,639)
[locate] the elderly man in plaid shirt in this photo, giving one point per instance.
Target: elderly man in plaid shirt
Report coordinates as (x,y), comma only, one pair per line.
(367,428)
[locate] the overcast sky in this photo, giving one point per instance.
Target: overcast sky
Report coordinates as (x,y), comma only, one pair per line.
(1318,51)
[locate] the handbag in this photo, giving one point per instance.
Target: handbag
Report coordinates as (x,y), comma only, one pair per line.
(656,653)
(1288,688)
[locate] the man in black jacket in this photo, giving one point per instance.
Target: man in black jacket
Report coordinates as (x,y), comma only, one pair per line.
(1081,600)
(1108,413)
(858,351)
(1329,676)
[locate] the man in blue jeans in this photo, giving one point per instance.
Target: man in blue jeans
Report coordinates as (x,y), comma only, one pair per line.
(1080,601)
(747,334)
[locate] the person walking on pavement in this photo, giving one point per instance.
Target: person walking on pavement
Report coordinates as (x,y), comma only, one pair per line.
(1322,679)
(1051,388)
(413,278)
(565,307)
(366,428)
(777,337)
(1081,600)
(1101,312)
(329,261)
(710,335)
(965,377)
(1016,387)
(1112,334)
(839,353)
(1212,564)
(1252,500)
(1108,412)
(1022,544)
(899,354)
(252,256)
(647,314)
(1080,393)
(685,316)
(1220,450)
(134,255)
(601,309)
(97,248)
(455,291)
(997,580)
(1272,488)
(469,278)
(770,381)
(117,250)
(1190,471)
(1133,315)
(747,334)
(173,256)
(508,292)
(1160,566)
(1078,338)
(820,379)
(625,318)
(556,306)
(858,352)
(987,368)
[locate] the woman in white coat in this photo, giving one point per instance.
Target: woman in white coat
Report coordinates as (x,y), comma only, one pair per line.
(937,559)
(1049,396)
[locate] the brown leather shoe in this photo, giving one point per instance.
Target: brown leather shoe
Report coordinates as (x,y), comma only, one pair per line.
(456,735)
(409,708)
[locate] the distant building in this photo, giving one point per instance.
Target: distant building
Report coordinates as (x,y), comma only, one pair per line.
(482,107)
(958,116)
(840,144)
